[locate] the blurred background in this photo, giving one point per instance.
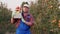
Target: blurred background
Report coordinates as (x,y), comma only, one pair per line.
(46,14)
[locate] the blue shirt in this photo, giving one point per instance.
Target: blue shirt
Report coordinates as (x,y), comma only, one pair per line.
(23,28)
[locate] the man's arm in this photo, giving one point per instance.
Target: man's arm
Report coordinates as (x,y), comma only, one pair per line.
(12,20)
(12,17)
(31,21)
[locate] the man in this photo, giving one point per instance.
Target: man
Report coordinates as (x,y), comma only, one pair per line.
(24,26)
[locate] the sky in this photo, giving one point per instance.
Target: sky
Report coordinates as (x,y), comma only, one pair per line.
(59,1)
(14,3)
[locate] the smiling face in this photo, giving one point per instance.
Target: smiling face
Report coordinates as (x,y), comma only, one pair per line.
(25,9)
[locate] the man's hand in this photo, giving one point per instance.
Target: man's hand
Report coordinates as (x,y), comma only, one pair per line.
(12,20)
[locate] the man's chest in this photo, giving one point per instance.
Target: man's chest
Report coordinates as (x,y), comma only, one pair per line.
(27,17)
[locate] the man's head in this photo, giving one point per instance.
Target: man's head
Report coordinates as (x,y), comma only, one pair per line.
(25,7)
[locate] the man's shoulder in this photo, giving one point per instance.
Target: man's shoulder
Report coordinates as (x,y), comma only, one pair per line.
(30,14)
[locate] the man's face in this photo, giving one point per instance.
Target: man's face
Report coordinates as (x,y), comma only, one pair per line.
(25,9)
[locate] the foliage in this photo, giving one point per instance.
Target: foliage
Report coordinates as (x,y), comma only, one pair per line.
(5,15)
(46,15)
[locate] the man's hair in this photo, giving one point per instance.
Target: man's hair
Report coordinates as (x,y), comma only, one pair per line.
(24,3)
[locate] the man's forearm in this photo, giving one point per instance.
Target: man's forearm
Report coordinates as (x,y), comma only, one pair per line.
(11,20)
(29,23)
